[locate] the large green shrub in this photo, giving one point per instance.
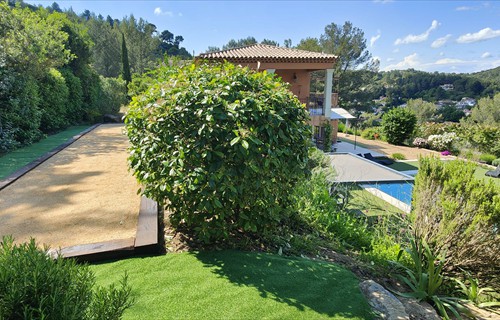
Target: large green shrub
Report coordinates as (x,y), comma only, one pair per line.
(33,285)
(458,214)
(113,96)
(54,99)
(398,125)
(222,144)
(19,110)
(74,105)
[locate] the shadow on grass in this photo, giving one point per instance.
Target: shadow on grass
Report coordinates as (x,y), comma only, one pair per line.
(403,166)
(323,287)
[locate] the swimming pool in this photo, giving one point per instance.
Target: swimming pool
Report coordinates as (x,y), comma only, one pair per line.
(399,190)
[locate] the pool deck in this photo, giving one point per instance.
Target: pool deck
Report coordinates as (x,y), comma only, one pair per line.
(355,169)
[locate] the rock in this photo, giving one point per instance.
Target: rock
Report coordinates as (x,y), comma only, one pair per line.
(384,302)
(419,310)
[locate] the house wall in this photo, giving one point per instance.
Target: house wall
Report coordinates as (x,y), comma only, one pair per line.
(300,84)
(318,121)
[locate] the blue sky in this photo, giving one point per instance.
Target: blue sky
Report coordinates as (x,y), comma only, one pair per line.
(444,36)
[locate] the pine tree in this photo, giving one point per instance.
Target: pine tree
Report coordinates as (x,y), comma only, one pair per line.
(125,64)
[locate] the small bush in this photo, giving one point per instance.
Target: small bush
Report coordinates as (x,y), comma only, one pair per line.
(441,142)
(458,214)
(496,162)
(398,125)
(398,156)
(487,158)
(371,133)
(35,286)
(420,142)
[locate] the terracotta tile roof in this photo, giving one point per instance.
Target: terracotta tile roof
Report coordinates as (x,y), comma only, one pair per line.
(268,53)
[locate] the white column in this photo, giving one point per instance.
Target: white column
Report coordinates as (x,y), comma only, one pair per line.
(271,71)
(328,92)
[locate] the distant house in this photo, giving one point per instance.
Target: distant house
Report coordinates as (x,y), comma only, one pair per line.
(293,66)
(447,86)
(466,103)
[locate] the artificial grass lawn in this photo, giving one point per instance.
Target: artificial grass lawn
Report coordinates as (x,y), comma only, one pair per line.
(236,285)
(13,161)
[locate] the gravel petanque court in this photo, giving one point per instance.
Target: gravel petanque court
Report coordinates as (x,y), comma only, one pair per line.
(83,194)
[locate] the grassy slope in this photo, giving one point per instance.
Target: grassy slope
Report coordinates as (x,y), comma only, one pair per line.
(370,204)
(236,285)
(16,159)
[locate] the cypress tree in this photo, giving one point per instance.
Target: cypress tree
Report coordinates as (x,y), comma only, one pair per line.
(125,65)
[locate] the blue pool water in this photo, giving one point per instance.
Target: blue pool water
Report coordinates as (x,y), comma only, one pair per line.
(399,190)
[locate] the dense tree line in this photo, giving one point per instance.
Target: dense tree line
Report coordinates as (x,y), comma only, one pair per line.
(60,68)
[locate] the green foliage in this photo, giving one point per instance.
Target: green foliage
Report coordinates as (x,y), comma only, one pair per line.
(321,203)
(398,156)
(125,64)
(424,111)
(426,278)
(54,96)
(33,285)
(113,95)
(30,43)
(372,133)
(488,158)
(223,144)
(475,294)
(487,111)
(91,85)
(327,142)
(398,125)
(74,103)
(456,213)
(496,162)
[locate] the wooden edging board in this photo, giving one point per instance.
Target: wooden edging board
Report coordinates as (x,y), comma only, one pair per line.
(35,163)
(145,241)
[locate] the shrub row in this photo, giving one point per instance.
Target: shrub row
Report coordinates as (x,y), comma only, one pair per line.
(33,108)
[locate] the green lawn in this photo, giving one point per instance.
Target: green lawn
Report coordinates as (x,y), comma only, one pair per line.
(16,159)
(370,204)
(413,165)
(236,285)
(404,166)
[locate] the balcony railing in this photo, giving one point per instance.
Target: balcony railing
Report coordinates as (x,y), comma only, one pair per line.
(314,104)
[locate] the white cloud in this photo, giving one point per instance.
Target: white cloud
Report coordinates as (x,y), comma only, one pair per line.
(448,61)
(486,55)
(443,65)
(441,53)
(411,61)
(374,39)
(395,50)
(390,59)
(411,38)
(464,8)
(180,14)
(383,1)
(159,12)
(439,42)
(481,35)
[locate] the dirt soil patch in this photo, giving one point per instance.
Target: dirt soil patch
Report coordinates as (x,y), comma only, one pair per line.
(84,194)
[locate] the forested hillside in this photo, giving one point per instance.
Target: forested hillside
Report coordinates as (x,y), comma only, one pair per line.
(60,68)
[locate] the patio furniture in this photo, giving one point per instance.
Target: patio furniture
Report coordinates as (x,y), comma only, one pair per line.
(385,162)
(493,173)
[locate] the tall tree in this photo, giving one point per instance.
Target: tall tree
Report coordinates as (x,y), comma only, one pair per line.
(310,44)
(348,43)
(424,111)
(125,64)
